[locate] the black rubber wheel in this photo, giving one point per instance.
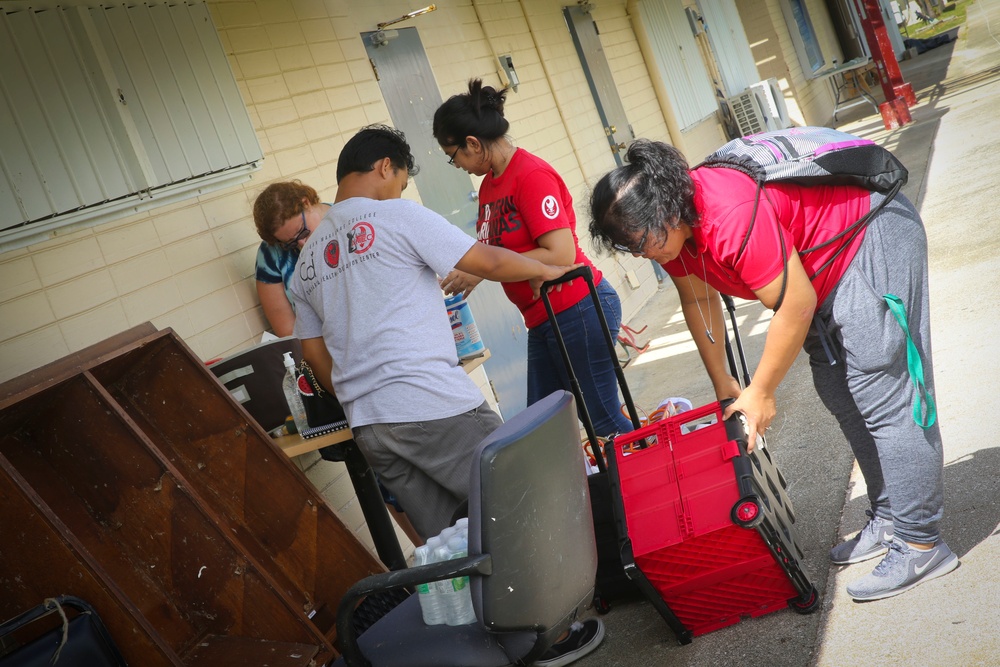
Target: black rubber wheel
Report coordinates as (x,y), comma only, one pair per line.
(807,605)
(601,605)
(747,512)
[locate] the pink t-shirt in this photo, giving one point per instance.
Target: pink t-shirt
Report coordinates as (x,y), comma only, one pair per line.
(802,216)
(526,201)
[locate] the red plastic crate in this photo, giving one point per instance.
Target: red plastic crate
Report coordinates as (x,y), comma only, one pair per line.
(708,525)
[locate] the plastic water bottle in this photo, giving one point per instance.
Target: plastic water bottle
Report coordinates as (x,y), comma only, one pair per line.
(290,387)
(430,601)
(461,611)
(446,592)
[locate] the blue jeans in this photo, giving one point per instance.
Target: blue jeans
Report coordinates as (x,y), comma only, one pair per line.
(588,352)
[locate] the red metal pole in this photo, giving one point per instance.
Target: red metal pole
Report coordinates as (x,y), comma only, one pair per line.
(898,93)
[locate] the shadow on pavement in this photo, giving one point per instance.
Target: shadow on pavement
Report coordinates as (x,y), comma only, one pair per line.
(972,503)
(972,499)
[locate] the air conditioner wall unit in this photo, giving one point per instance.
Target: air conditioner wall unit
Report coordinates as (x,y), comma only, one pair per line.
(773,101)
(747,113)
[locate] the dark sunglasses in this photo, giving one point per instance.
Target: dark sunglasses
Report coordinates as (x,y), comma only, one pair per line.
(636,250)
(293,243)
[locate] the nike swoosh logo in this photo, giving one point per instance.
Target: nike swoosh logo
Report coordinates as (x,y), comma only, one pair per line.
(919,569)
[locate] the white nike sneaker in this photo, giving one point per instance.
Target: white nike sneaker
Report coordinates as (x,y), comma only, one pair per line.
(903,568)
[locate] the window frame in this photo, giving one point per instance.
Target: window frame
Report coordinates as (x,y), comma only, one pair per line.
(804,37)
(116,110)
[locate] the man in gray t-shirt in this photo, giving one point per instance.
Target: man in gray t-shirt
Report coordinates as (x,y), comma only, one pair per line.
(372,321)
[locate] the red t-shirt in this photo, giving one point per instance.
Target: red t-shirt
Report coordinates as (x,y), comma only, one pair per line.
(526,201)
(803,216)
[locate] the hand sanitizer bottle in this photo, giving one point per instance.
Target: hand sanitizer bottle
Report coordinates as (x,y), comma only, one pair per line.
(290,387)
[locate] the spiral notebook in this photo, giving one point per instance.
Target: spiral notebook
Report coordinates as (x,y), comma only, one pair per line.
(314,431)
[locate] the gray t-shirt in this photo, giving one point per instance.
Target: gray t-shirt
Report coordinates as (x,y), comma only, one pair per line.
(366,281)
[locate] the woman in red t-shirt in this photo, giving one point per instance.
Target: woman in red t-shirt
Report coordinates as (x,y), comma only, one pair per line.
(526,207)
(839,299)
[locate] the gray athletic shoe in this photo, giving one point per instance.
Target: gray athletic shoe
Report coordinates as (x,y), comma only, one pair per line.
(903,568)
(873,540)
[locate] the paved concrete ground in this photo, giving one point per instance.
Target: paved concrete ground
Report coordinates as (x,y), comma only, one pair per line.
(952,150)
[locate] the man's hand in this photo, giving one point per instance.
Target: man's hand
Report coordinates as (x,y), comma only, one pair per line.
(459,281)
(550,273)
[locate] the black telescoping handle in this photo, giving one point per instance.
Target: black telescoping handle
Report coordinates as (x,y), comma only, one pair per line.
(579,272)
(745,378)
(588,275)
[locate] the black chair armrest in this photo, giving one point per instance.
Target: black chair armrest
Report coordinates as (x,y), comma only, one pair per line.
(450,569)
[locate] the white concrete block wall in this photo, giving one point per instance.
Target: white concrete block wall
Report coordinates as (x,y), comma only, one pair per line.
(630,73)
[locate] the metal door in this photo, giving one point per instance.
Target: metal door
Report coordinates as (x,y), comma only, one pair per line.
(411,94)
(602,84)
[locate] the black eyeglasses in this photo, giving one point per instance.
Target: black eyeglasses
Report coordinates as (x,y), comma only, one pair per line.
(636,250)
(451,158)
(293,243)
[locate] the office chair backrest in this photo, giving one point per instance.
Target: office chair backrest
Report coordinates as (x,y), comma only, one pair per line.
(529,509)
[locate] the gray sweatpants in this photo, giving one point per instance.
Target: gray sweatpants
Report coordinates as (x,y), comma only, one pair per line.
(426,465)
(869,389)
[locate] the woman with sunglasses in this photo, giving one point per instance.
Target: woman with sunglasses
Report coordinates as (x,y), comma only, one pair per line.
(841,303)
(526,207)
(285,213)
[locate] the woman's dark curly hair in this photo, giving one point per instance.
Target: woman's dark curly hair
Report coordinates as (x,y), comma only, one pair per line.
(476,113)
(651,191)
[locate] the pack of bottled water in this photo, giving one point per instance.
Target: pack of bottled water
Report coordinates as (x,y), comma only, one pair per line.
(448,601)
